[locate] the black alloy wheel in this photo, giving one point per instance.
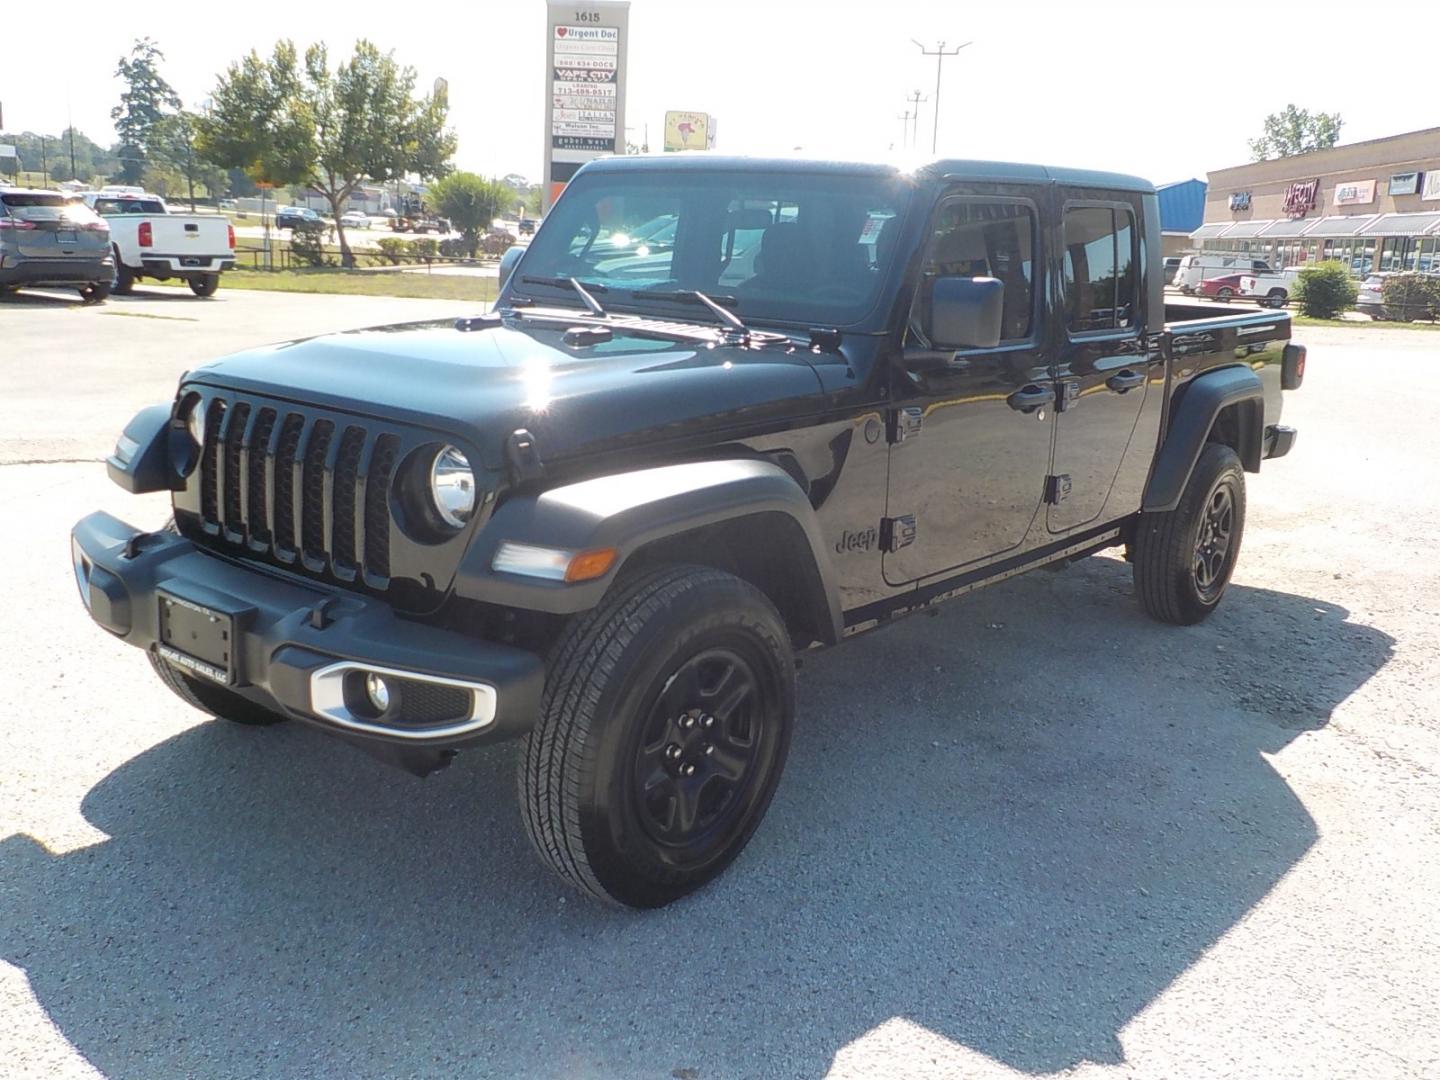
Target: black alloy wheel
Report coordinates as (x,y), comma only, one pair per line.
(698,753)
(1212,543)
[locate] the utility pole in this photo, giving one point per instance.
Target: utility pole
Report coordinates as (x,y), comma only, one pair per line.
(904,118)
(44,163)
(940,52)
(916,99)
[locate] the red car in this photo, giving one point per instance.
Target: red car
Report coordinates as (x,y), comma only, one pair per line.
(1224,289)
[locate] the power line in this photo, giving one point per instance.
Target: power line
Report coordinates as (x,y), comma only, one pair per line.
(940,52)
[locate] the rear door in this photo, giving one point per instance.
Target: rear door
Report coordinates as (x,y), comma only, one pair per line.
(1103,364)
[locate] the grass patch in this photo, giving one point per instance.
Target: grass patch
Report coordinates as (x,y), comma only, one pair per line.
(347,283)
(1361,324)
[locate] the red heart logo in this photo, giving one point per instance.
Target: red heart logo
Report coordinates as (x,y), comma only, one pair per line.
(560,31)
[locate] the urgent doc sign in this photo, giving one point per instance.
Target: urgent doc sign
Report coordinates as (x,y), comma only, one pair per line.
(585,74)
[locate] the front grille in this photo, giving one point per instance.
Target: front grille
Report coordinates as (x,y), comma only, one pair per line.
(301,490)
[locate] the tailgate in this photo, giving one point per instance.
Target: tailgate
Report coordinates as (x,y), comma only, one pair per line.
(189,234)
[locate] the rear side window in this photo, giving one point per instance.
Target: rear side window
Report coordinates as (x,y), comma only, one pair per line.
(128,206)
(1101,272)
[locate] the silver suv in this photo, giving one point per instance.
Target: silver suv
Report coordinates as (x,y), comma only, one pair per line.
(47,238)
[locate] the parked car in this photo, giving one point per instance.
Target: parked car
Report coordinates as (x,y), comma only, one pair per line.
(1224,289)
(1269,288)
(607,516)
(355,219)
(298,217)
(147,241)
(526,226)
(50,239)
(1194,269)
(1172,264)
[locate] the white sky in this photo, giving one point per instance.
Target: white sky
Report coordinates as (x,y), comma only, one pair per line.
(1162,89)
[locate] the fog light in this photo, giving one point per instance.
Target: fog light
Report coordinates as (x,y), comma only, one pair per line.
(378,691)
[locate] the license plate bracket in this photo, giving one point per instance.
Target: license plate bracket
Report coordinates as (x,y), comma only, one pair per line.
(197,638)
(65,236)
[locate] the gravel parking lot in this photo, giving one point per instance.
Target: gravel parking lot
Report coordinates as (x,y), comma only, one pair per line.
(1033,834)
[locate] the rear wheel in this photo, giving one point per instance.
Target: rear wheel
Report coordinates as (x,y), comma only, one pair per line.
(123,279)
(1224,294)
(205,284)
(662,736)
(212,699)
(95,293)
(1183,558)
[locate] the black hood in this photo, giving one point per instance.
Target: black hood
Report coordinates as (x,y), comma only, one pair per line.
(483,384)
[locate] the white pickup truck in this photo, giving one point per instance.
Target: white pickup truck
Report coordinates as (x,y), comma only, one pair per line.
(149,241)
(1269,288)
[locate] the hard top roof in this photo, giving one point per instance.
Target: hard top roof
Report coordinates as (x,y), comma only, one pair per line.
(929,170)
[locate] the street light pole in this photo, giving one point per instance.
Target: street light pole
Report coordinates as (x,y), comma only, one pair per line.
(940,52)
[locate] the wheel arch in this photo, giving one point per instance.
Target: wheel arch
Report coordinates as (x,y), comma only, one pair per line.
(1225,406)
(743,516)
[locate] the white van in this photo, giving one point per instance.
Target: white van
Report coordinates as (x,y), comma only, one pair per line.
(1197,268)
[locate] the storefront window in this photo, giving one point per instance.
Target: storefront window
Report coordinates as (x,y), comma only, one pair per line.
(1392,253)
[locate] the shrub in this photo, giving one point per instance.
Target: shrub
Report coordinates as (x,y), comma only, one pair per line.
(394,248)
(453,247)
(1411,296)
(1324,290)
(425,248)
(496,242)
(307,247)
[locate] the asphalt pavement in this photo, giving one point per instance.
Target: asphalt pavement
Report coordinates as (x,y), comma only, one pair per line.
(1033,834)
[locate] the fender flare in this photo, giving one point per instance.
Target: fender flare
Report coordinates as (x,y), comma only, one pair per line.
(628,511)
(1192,417)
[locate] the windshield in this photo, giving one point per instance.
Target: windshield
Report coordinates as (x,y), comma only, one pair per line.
(786,246)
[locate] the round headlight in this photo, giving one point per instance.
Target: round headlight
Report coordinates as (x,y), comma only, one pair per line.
(195,420)
(452,486)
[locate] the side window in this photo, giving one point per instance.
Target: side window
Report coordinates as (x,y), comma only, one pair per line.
(1101,278)
(984,239)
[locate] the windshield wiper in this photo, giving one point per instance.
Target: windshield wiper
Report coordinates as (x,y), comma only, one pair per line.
(570,283)
(695,296)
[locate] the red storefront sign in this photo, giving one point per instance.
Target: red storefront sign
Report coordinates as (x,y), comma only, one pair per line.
(1300,197)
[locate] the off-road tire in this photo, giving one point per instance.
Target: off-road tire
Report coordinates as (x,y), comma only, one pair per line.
(205,284)
(1166,545)
(215,700)
(613,672)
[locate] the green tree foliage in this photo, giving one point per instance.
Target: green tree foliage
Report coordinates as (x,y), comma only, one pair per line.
(291,122)
(1411,296)
(142,106)
(1324,290)
(51,153)
(470,202)
(1296,131)
(173,146)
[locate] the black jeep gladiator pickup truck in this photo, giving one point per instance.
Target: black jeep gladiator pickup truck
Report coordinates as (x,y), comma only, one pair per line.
(606,516)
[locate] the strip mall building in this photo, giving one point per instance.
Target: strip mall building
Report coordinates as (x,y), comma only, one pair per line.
(1372,205)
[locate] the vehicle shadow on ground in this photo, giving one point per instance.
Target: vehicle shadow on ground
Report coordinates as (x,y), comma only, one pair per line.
(1014,824)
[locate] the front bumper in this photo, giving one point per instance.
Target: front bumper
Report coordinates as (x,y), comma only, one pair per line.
(295,645)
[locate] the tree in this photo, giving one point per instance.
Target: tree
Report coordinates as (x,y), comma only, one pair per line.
(1295,131)
(470,202)
(173,145)
(142,106)
(288,122)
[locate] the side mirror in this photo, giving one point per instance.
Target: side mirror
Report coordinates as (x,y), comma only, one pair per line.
(965,312)
(508,261)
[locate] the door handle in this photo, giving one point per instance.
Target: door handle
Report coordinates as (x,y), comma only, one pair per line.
(1125,380)
(1029,398)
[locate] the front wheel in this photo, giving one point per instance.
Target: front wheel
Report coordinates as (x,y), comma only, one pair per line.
(662,736)
(1184,557)
(205,284)
(1276,298)
(1225,295)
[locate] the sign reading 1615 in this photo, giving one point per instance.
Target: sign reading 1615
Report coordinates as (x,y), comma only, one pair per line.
(587,16)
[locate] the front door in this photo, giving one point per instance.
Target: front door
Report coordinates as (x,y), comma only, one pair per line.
(970,430)
(1102,366)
